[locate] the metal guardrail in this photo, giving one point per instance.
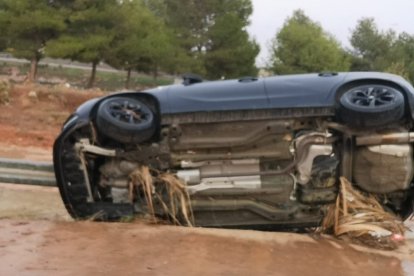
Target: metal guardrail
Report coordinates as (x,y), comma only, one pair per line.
(13,171)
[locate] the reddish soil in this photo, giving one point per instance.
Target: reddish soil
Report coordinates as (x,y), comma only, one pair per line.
(36,120)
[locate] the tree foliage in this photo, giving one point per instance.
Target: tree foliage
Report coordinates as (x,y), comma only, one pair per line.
(142,41)
(371,47)
(303,46)
(90,31)
(207,37)
(212,35)
(3,28)
(231,53)
(378,50)
(402,57)
(29,25)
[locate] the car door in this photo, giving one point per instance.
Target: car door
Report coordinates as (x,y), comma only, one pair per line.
(230,95)
(297,91)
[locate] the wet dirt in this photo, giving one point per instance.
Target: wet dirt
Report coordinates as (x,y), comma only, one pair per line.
(31,202)
(86,248)
(37,237)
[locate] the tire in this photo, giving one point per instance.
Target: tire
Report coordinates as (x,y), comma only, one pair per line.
(371,105)
(126,120)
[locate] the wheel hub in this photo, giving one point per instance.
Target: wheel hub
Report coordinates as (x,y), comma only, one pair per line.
(127,112)
(371,97)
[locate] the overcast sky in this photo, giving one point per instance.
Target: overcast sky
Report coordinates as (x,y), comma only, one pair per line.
(336,17)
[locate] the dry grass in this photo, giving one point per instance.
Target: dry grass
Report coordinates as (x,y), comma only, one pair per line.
(177,205)
(178,198)
(362,219)
(4,91)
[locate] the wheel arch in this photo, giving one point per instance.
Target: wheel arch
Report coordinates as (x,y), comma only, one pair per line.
(147,98)
(407,92)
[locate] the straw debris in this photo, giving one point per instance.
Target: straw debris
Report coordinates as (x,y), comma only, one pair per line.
(154,186)
(362,219)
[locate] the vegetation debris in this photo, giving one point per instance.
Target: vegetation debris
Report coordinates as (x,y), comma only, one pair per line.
(361,218)
(154,187)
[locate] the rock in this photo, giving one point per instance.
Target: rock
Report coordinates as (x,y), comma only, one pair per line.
(32,95)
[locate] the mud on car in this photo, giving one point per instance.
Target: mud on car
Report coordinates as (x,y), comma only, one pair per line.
(249,152)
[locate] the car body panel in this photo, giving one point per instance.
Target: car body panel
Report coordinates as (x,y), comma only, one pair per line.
(309,90)
(292,91)
(305,90)
(212,96)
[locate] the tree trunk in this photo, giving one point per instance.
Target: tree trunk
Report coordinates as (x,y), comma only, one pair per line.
(128,78)
(33,69)
(91,82)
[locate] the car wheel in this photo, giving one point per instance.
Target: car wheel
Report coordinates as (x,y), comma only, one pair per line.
(371,106)
(125,120)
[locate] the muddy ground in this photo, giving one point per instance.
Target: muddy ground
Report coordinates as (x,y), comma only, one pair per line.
(37,237)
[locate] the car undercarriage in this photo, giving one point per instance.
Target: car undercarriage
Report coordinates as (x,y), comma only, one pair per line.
(238,168)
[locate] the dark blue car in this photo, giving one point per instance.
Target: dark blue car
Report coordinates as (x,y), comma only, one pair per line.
(239,153)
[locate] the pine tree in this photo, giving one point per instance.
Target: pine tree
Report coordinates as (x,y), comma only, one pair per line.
(142,42)
(91,27)
(202,27)
(302,46)
(29,25)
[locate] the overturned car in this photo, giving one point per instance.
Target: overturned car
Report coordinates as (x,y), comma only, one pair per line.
(249,152)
